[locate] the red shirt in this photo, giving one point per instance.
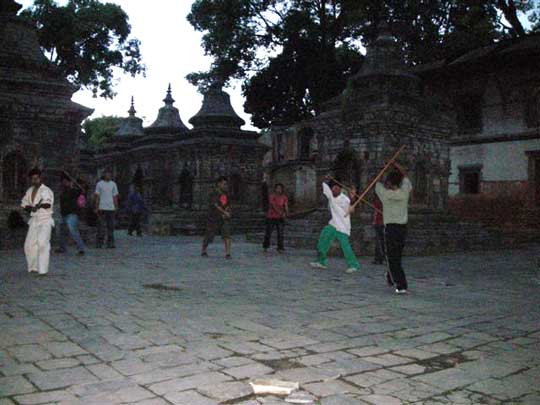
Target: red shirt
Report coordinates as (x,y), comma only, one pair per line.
(378,217)
(279,202)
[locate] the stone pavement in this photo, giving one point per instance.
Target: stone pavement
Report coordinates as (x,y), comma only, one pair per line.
(153,323)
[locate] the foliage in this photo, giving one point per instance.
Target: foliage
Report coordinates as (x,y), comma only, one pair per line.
(88,40)
(98,130)
(293,55)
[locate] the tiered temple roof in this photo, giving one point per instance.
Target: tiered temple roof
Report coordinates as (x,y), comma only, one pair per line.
(168,118)
(132,125)
(216,110)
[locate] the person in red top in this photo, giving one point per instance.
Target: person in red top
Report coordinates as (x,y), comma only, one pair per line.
(378,226)
(275,218)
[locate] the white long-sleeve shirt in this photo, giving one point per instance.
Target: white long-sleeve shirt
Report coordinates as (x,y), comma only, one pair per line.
(395,202)
(44,195)
(339,208)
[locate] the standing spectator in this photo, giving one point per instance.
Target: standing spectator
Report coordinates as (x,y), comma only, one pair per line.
(277,211)
(38,201)
(106,205)
(378,227)
(70,198)
(136,208)
(219,218)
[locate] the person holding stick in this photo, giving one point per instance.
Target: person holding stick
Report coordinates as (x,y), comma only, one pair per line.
(338,228)
(394,195)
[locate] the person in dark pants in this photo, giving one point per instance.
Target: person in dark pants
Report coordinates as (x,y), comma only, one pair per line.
(219,218)
(394,195)
(378,227)
(137,208)
(106,205)
(278,209)
(69,209)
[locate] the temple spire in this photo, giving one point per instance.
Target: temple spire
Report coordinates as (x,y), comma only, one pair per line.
(132,110)
(168,100)
(132,125)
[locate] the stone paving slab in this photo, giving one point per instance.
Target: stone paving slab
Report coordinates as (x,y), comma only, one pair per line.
(152,323)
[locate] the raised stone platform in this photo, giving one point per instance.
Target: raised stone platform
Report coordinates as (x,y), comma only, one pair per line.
(429,234)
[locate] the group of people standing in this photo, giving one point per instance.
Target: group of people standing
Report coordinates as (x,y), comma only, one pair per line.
(38,201)
(390,220)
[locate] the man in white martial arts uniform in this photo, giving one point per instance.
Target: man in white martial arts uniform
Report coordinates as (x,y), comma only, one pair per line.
(38,200)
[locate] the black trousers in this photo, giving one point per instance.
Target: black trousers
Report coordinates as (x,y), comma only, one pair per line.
(272,223)
(135,223)
(395,235)
(105,220)
(380,250)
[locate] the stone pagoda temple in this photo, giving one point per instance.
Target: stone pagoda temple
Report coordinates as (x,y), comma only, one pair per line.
(383,107)
(178,166)
(36,112)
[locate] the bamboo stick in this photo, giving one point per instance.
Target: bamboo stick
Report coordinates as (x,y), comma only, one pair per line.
(376,179)
(363,200)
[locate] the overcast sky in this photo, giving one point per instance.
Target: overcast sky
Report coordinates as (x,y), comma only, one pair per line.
(171,49)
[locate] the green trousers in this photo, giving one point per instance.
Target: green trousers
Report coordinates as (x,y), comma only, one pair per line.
(328,234)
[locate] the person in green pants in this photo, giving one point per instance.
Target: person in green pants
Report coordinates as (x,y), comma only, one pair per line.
(338,228)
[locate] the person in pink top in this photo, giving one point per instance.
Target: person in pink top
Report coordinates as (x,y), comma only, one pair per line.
(278,209)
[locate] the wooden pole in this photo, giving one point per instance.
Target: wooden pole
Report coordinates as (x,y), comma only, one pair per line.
(363,200)
(73,180)
(376,179)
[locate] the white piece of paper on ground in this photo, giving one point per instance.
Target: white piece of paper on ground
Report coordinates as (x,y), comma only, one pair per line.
(271,386)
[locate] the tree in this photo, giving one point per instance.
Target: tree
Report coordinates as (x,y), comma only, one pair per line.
(98,130)
(293,55)
(87,40)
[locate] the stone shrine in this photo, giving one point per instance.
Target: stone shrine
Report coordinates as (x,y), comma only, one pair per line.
(178,166)
(36,114)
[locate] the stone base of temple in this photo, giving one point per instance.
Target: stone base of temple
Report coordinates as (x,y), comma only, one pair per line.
(429,233)
(193,222)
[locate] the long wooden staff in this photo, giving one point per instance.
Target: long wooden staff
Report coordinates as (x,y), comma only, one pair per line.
(73,180)
(363,200)
(376,179)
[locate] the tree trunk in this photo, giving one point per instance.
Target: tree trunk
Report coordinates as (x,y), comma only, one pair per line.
(510,13)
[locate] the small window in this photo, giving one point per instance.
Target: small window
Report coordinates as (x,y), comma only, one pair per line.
(304,136)
(470,114)
(186,188)
(14,171)
(470,180)
(420,183)
(532,109)
(235,187)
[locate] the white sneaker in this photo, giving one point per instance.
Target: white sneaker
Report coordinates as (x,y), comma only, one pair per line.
(398,291)
(351,270)
(317,265)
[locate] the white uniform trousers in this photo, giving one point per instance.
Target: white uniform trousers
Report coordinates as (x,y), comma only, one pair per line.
(37,246)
